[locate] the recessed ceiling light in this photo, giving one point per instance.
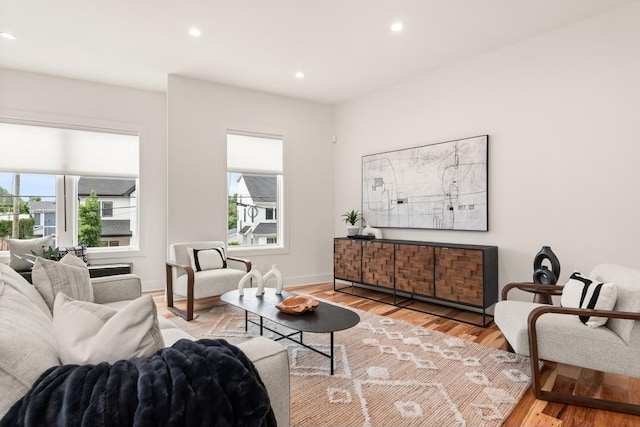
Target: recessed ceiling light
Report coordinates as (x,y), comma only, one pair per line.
(397,26)
(300,75)
(7,36)
(195,32)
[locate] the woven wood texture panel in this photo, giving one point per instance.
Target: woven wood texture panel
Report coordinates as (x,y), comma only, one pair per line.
(377,263)
(459,275)
(414,269)
(346,260)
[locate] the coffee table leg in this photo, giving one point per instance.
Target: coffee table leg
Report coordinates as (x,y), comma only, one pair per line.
(331,352)
(261,325)
(246,320)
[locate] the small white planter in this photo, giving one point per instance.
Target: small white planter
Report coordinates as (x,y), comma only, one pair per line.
(352,230)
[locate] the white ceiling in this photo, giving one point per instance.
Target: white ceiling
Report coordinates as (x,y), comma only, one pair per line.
(344,47)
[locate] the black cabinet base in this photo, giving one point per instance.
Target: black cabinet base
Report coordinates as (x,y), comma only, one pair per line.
(431,306)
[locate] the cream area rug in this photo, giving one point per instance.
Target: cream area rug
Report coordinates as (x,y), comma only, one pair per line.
(387,373)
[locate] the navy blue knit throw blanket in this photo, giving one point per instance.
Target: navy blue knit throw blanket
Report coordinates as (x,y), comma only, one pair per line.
(192,383)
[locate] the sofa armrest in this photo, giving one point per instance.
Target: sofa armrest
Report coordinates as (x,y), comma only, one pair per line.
(239,264)
(272,362)
(120,287)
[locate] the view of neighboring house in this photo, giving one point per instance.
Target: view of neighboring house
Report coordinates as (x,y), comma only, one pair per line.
(257,210)
(117,197)
(44,215)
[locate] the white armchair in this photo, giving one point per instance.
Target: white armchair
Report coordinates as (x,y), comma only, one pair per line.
(186,281)
(553,333)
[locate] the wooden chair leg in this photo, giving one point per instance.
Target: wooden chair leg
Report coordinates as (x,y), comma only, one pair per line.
(188,315)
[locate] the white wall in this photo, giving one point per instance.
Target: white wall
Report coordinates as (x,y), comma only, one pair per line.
(40,97)
(561,111)
(199,113)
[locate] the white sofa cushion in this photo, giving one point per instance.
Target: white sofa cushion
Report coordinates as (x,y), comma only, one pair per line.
(27,343)
(70,276)
(93,333)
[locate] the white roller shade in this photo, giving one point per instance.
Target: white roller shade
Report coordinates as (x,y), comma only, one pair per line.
(39,149)
(254,154)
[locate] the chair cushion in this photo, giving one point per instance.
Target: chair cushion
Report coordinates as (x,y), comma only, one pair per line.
(92,333)
(28,247)
(207,259)
(70,276)
(583,292)
(627,282)
(564,339)
(209,283)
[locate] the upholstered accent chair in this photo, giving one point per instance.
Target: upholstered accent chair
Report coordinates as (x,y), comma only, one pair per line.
(570,335)
(199,270)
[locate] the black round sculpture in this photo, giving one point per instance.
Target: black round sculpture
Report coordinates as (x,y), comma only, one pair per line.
(541,273)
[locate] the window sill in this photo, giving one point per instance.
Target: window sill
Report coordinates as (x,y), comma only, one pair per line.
(245,251)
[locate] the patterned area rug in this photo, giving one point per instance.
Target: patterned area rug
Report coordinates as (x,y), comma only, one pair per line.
(387,373)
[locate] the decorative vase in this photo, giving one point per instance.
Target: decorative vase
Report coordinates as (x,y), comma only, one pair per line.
(370,231)
(352,230)
(252,274)
(274,272)
(541,273)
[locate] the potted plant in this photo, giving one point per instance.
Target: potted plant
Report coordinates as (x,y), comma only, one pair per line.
(352,218)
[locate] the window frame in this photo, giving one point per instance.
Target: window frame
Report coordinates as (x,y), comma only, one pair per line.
(137,246)
(282,206)
(103,209)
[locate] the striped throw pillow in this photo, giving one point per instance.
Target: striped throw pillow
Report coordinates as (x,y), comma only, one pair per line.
(207,259)
(582,292)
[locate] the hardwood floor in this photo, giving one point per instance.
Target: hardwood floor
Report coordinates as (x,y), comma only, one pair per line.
(529,411)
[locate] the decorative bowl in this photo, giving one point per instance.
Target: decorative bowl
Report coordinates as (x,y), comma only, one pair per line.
(298,304)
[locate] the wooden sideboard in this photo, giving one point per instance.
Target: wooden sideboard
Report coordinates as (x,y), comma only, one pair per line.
(454,274)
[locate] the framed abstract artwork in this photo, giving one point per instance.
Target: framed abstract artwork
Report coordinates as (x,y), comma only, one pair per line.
(441,186)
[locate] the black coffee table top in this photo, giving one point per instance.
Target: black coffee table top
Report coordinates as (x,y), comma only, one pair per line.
(324,318)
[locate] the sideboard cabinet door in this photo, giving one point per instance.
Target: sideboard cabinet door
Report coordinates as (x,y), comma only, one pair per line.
(459,275)
(414,269)
(347,260)
(377,264)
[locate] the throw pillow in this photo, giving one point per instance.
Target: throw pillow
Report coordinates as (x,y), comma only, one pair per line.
(207,259)
(21,250)
(80,251)
(70,276)
(88,333)
(582,292)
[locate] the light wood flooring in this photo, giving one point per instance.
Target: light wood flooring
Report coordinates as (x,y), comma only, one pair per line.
(529,411)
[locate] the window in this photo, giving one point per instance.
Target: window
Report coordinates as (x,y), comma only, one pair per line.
(107,209)
(55,189)
(270,213)
(255,179)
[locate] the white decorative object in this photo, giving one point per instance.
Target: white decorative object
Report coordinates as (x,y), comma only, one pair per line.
(274,272)
(252,274)
(376,232)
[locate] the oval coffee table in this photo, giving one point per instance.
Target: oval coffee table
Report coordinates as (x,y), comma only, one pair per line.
(325,318)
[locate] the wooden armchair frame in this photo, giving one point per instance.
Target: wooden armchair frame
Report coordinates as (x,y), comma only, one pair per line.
(565,398)
(188,314)
(543,293)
